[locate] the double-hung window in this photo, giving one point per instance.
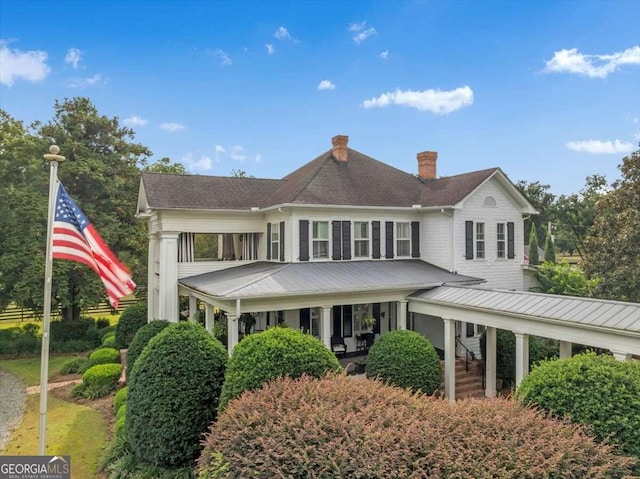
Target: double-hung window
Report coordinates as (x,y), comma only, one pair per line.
(320,239)
(480,249)
(501,237)
(361,239)
(275,241)
(403,239)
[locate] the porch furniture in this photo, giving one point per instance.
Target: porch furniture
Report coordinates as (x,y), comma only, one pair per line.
(338,346)
(364,341)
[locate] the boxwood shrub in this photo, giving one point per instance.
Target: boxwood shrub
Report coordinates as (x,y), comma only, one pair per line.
(104,356)
(345,428)
(173,394)
(132,319)
(99,380)
(272,353)
(77,365)
(120,399)
(109,341)
(406,359)
(104,331)
(590,389)
(142,338)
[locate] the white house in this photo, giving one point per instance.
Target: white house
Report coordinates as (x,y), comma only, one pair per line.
(343,237)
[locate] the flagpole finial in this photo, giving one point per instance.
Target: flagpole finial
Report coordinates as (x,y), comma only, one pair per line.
(53,154)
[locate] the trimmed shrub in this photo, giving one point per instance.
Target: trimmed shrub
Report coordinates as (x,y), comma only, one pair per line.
(142,338)
(120,399)
(66,330)
(109,341)
(99,380)
(76,366)
(344,428)
(102,323)
(121,412)
(173,394)
(72,346)
(121,425)
(20,340)
(104,331)
(590,389)
(104,356)
(405,359)
(273,353)
(132,319)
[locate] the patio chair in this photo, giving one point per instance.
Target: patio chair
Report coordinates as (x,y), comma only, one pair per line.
(338,346)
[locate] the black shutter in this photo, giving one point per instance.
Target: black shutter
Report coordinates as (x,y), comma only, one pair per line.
(375,239)
(346,240)
(268,240)
(337,321)
(376,315)
(415,239)
(468,239)
(281,241)
(305,320)
(388,239)
(347,321)
(511,253)
(336,240)
(304,240)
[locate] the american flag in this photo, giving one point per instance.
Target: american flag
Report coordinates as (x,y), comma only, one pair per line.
(75,239)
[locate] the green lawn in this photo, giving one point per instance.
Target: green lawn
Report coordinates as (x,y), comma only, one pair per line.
(12,323)
(28,369)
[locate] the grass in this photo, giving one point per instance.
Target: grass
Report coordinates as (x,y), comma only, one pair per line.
(12,323)
(28,369)
(72,429)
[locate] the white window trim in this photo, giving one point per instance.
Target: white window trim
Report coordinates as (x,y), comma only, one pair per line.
(505,240)
(329,240)
(353,240)
(396,239)
(475,240)
(275,227)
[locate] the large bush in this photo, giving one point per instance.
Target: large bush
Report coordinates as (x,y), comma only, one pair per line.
(590,389)
(344,428)
(275,352)
(132,319)
(98,381)
(405,359)
(173,394)
(20,340)
(78,329)
(141,339)
(104,356)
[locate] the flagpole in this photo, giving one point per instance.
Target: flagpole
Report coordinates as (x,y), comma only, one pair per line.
(54,159)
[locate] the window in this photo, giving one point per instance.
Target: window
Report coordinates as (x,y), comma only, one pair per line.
(320,239)
(275,241)
(361,239)
(480,241)
(403,239)
(501,238)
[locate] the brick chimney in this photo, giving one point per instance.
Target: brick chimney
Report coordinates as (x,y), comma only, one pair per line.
(339,143)
(427,165)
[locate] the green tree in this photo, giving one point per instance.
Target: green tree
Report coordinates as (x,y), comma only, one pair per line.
(563,278)
(549,249)
(240,174)
(164,165)
(533,246)
(613,246)
(542,200)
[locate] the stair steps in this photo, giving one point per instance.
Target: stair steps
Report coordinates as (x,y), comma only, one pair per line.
(468,383)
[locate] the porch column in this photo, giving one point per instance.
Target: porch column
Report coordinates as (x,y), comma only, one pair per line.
(152,279)
(168,279)
(193,307)
(490,362)
(402,314)
(450,359)
(325,328)
(621,356)
(522,356)
(565,349)
(209,318)
(232,332)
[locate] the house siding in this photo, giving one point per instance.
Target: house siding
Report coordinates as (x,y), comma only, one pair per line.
(435,238)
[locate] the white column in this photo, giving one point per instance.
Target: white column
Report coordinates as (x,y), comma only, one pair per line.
(168,281)
(402,314)
(193,307)
(325,331)
(450,359)
(522,356)
(490,362)
(232,332)
(565,349)
(621,356)
(152,280)
(209,317)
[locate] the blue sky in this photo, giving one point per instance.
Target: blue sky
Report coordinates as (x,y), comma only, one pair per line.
(548,91)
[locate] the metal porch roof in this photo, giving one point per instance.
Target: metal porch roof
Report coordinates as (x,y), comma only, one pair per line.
(267,279)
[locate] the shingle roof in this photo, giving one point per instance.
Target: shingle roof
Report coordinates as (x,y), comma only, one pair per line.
(361,181)
(272,279)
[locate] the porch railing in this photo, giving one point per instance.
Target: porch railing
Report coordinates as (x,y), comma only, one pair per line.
(468,353)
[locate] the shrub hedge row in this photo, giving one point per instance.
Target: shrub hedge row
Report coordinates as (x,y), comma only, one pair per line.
(141,339)
(98,381)
(132,319)
(104,356)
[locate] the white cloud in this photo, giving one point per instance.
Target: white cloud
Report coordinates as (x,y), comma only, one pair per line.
(270,49)
(172,127)
(361,31)
(593,66)
(600,147)
(326,85)
(197,163)
(436,101)
(238,153)
(384,55)
(134,120)
(15,65)
(282,34)
(220,149)
(225,60)
(73,57)
(258,158)
(85,82)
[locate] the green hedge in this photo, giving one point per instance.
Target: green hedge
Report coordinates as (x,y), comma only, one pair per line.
(173,394)
(98,381)
(406,359)
(132,319)
(104,356)
(120,399)
(76,366)
(275,352)
(141,339)
(109,341)
(591,389)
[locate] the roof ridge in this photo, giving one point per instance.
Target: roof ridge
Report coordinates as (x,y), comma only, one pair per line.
(313,174)
(196,175)
(260,278)
(427,181)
